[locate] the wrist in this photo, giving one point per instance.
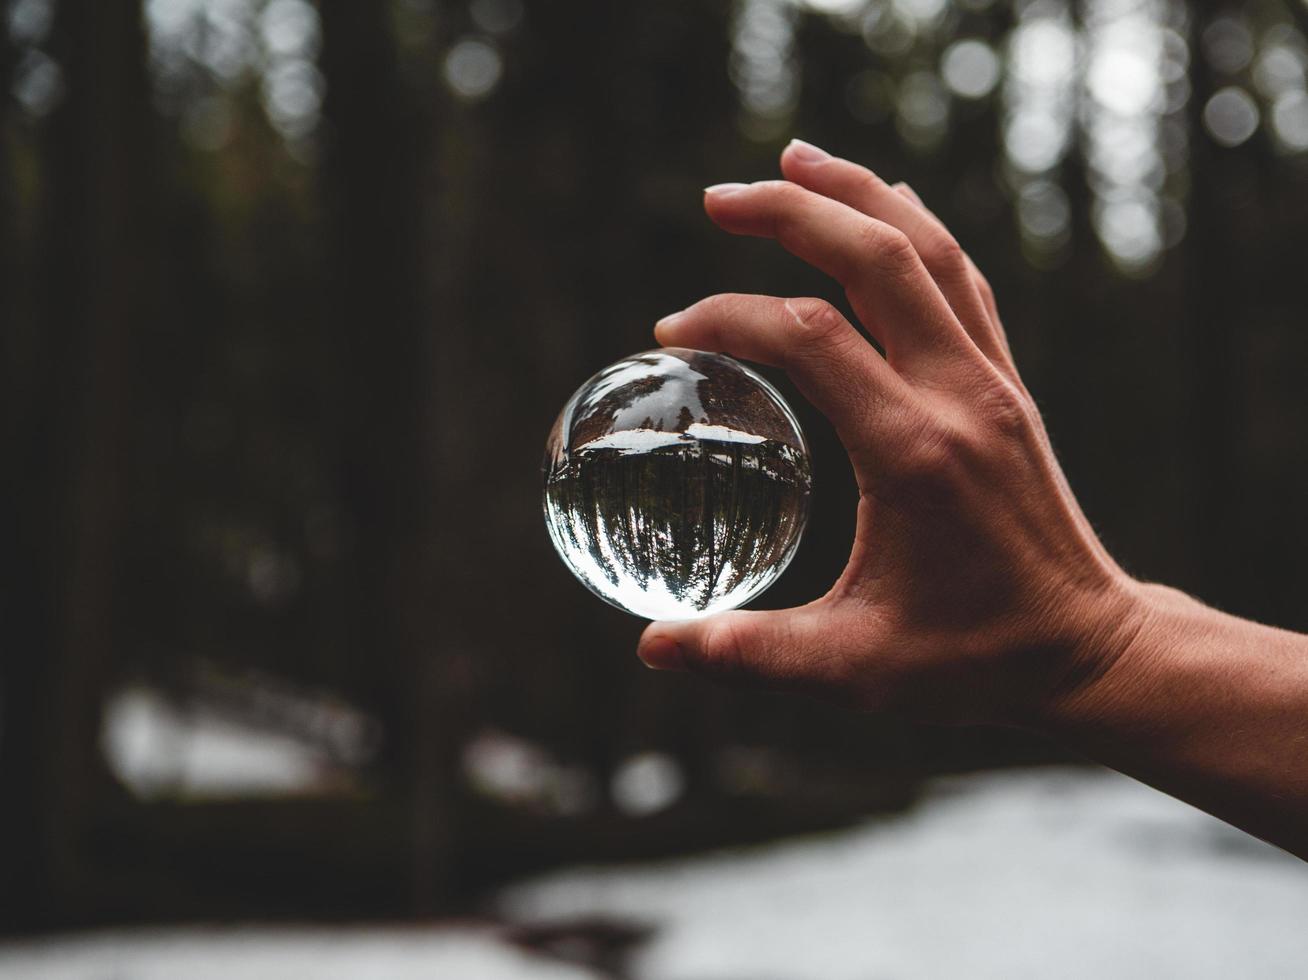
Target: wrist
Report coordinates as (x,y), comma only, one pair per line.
(1111,654)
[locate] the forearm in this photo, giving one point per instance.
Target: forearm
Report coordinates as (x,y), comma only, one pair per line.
(1206,706)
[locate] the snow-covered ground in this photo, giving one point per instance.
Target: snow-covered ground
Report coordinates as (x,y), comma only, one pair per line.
(1038,873)
(259,953)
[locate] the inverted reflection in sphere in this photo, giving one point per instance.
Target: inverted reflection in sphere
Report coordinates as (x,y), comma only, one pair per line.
(676,484)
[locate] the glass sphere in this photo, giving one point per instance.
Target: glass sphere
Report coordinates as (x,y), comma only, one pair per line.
(676,484)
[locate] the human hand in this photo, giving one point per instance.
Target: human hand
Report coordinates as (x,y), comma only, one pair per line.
(976,591)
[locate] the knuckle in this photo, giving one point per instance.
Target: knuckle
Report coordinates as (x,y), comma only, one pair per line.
(723,650)
(982,284)
(822,325)
(942,453)
(786,201)
(942,254)
(787,194)
(938,453)
(866,181)
(890,251)
(1007,412)
(930,455)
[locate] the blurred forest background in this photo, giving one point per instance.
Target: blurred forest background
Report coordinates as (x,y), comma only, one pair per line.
(291,293)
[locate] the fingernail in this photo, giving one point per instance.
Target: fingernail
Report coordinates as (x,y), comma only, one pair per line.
(722,190)
(808,152)
(660,653)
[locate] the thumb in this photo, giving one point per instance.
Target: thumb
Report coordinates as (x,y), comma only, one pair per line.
(783,648)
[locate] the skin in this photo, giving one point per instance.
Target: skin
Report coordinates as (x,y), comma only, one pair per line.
(976,591)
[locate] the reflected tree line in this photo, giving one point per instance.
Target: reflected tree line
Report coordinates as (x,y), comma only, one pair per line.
(694,521)
(290,293)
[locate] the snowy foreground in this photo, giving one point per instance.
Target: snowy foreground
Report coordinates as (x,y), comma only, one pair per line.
(1042,873)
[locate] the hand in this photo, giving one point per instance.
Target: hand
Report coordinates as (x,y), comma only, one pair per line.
(976,590)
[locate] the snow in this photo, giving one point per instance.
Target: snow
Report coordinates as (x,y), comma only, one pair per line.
(279,954)
(157,749)
(722,433)
(1074,874)
(629,441)
(1070,873)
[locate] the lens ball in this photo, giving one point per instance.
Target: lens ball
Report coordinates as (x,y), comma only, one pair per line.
(676,484)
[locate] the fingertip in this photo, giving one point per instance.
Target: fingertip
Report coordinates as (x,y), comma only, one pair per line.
(799,151)
(743,209)
(719,191)
(716,198)
(659,651)
(668,325)
(714,207)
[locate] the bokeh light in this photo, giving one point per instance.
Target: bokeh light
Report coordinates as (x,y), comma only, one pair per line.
(1290,120)
(38,83)
(886,32)
(496,16)
(1039,91)
(1231,116)
(647,783)
(1044,214)
(923,110)
(762,66)
(925,14)
(1279,67)
(204,52)
(1136,65)
(970,68)
(1228,44)
(472,68)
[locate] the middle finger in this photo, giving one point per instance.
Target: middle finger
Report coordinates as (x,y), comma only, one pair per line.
(884,278)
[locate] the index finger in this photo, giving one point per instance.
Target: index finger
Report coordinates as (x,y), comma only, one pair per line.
(888,286)
(832,364)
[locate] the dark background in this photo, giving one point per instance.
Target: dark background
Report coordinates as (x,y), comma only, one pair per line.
(290,295)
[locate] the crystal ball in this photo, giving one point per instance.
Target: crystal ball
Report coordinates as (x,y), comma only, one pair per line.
(676,484)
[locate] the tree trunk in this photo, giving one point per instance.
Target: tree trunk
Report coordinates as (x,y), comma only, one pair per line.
(1214,310)
(373,165)
(71,452)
